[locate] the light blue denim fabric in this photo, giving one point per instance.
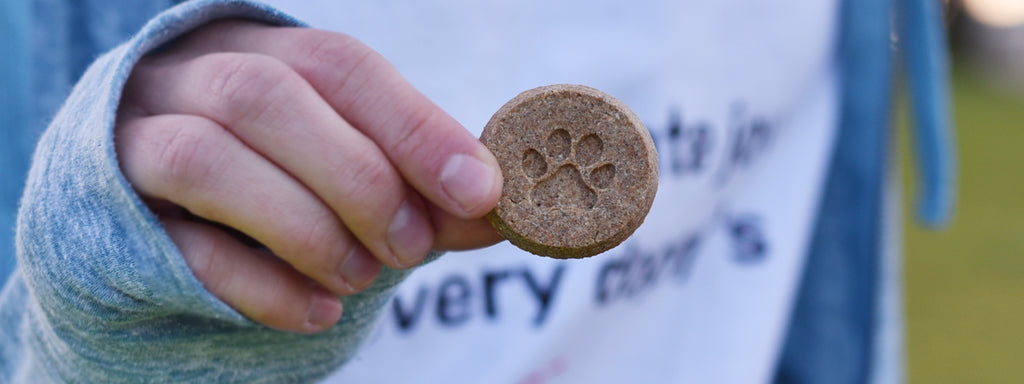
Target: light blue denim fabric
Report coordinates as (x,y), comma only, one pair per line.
(46,45)
(831,333)
(102,295)
(15,144)
(847,326)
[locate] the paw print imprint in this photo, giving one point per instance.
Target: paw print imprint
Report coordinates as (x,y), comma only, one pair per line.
(566,178)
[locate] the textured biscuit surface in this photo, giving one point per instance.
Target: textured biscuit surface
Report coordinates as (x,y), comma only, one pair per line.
(579,167)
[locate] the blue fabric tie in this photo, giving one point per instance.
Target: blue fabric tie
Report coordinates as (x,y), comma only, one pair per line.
(924,54)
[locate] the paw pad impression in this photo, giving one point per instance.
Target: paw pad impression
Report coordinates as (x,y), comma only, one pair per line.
(580,171)
(569,173)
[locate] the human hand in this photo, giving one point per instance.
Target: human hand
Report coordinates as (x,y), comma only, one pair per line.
(310,143)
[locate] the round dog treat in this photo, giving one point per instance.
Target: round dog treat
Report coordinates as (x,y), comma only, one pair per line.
(580,171)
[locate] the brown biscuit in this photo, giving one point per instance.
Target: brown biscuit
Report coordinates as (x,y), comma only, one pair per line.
(580,171)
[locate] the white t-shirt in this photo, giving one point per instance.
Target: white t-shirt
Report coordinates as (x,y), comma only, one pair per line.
(741,98)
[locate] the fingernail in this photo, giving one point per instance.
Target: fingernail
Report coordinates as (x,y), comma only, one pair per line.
(409,235)
(467,181)
(359,269)
(324,311)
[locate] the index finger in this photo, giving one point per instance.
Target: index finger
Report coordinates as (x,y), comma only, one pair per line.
(432,151)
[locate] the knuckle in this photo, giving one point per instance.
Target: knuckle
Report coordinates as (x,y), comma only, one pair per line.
(316,240)
(415,140)
(371,178)
(269,309)
(333,49)
(187,159)
(241,84)
(206,268)
(206,261)
(333,59)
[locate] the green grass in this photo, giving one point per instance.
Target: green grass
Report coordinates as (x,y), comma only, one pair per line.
(965,285)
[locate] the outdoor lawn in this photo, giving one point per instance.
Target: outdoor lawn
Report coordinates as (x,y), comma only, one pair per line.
(965,285)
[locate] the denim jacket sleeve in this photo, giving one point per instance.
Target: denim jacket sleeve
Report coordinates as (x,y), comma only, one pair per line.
(103,295)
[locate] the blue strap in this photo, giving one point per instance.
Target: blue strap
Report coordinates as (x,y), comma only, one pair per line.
(922,39)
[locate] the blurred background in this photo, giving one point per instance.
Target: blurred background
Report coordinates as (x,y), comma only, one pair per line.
(965,284)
